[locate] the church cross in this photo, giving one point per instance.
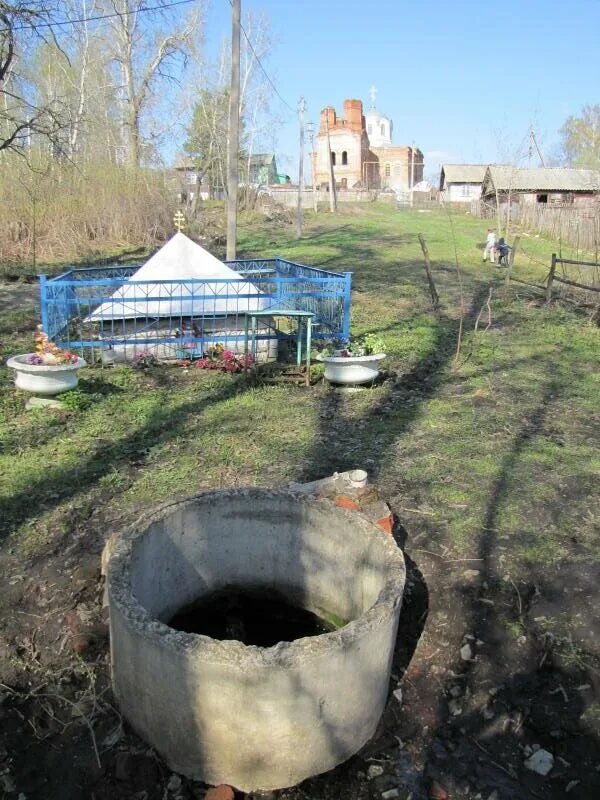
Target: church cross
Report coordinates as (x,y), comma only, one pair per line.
(179,221)
(373,93)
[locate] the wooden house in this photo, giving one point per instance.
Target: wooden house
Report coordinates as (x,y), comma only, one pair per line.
(550,185)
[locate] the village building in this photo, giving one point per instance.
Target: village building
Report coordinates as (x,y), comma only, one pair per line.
(550,185)
(187,181)
(461,183)
(362,153)
(262,170)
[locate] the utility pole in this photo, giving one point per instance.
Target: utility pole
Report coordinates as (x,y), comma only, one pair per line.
(534,140)
(301,109)
(233,143)
(332,195)
(310,127)
(412,172)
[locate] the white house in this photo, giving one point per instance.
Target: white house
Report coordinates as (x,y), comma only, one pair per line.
(461,183)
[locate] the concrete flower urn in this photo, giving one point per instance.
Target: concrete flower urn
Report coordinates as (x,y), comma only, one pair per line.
(351,370)
(225,711)
(45,380)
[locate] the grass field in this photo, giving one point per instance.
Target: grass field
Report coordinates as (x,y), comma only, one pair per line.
(500,438)
(487,454)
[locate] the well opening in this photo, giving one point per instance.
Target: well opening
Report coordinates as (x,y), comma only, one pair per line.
(292,552)
(302,600)
(260,617)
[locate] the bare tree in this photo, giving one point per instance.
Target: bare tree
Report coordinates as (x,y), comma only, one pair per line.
(23,24)
(207,132)
(147,49)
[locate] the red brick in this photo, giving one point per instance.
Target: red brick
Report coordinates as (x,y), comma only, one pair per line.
(222,792)
(386,524)
(438,792)
(347,502)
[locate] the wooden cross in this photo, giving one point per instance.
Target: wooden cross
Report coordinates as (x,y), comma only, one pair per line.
(179,221)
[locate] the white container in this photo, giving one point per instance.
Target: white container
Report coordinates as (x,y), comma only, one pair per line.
(352,369)
(45,380)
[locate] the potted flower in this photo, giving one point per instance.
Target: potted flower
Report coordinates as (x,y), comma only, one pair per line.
(48,371)
(354,363)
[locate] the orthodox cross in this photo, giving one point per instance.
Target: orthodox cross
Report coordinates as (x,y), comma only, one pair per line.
(179,221)
(373,93)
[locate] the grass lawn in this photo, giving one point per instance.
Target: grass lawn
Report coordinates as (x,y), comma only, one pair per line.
(490,456)
(501,438)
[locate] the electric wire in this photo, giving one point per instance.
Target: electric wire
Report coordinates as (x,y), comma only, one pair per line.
(99,17)
(264,71)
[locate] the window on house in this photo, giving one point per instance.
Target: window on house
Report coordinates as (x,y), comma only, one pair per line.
(333,158)
(382,129)
(465,190)
(397,169)
(344,157)
(387,170)
(369,129)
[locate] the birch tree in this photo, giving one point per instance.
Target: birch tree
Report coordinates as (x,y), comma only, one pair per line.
(23,24)
(207,133)
(148,49)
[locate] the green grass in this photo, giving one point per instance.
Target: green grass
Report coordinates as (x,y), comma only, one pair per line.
(495,449)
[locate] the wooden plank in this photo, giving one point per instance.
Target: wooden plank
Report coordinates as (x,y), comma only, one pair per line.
(527,283)
(579,285)
(577,263)
(551,275)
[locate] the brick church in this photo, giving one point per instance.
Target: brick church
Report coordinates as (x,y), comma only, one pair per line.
(362,153)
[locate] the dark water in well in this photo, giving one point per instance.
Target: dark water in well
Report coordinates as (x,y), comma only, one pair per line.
(252,616)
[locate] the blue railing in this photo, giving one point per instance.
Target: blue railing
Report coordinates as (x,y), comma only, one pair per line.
(79,309)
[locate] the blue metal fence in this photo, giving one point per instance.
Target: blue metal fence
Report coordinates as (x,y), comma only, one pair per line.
(79,311)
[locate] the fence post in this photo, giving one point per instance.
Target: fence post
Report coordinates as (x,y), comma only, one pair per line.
(433,291)
(550,278)
(511,259)
(44,303)
(347,305)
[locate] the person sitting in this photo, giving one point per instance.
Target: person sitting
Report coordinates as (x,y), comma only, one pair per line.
(503,251)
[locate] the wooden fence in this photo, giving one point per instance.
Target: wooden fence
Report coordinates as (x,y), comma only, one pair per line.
(574,224)
(559,283)
(578,225)
(592,275)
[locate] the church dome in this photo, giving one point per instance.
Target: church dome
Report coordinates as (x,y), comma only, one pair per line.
(375,115)
(379,128)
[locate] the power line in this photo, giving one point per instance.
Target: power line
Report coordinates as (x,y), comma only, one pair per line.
(264,71)
(99,16)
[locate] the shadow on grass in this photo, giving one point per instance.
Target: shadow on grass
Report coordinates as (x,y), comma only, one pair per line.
(66,482)
(343,443)
(528,695)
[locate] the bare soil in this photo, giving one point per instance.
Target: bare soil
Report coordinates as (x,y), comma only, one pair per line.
(462,727)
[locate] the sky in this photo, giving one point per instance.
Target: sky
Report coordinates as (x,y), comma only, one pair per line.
(463,80)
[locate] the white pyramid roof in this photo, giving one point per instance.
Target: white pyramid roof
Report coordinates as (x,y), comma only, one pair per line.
(178,261)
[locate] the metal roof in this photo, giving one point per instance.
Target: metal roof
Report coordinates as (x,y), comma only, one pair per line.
(261,159)
(463,173)
(541,179)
